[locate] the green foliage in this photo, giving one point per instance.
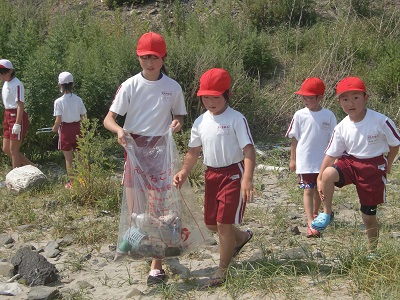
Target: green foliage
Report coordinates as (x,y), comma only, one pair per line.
(93,167)
(265,13)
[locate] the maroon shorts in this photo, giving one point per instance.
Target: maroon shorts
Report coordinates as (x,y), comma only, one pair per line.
(368,175)
(67,136)
(307,181)
(10,116)
(223,201)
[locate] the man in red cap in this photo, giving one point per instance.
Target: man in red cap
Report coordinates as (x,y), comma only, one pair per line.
(365,144)
(228,149)
(310,131)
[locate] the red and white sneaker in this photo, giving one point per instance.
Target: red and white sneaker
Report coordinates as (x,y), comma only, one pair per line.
(313,233)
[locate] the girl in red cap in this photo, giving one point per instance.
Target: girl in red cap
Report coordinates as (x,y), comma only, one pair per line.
(361,152)
(310,131)
(15,124)
(228,149)
(152,102)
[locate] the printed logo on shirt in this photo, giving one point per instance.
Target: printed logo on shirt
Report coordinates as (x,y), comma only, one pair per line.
(166,95)
(223,129)
(373,138)
(325,125)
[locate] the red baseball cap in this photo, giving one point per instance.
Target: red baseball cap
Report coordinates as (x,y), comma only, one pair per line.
(350,84)
(311,87)
(214,82)
(151,43)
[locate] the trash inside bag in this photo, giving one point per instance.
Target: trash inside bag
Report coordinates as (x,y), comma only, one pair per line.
(157,219)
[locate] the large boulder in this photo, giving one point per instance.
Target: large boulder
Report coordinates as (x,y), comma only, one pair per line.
(33,267)
(24,177)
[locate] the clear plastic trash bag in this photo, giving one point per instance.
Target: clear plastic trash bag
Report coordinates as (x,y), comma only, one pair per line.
(157,219)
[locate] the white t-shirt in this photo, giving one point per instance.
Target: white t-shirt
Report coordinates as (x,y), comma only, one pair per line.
(70,107)
(12,92)
(312,130)
(222,137)
(368,138)
(148,105)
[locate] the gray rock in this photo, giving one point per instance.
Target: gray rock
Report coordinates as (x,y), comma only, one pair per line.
(295,253)
(6,239)
(134,292)
(84,285)
(23,178)
(10,289)
(43,293)
(6,269)
(33,267)
(51,249)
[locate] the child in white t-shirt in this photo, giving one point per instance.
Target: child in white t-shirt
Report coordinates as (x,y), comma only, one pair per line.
(224,136)
(361,152)
(69,110)
(152,103)
(16,122)
(310,131)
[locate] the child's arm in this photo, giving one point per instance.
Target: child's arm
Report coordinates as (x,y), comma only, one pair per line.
(249,165)
(57,124)
(177,123)
(110,124)
(190,160)
(391,156)
(293,146)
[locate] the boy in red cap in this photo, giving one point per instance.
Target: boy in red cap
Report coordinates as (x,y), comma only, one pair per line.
(228,149)
(365,144)
(152,103)
(16,122)
(310,131)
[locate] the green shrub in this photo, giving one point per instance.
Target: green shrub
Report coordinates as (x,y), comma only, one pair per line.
(94,168)
(265,13)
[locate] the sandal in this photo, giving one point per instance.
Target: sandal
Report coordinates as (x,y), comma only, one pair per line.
(238,248)
(312,233)
(216,281)
(322,221)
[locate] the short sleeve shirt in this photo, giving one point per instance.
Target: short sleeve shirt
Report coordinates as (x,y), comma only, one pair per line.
(312,130)
(222,137)
(12,92)
(70,107)
(368,138)
(148,105)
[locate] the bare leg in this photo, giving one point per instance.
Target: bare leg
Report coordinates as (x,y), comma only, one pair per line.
(308,195)
(69,159)
(18,159)
(156,264)
(317,202)
(372,230)
(329,177)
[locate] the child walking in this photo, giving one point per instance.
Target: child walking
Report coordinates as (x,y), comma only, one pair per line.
(152,103)
(310,131)
(224,136)
(15,123)
(69,110)
(365,143)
